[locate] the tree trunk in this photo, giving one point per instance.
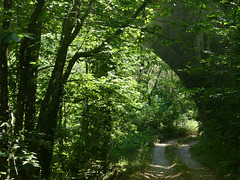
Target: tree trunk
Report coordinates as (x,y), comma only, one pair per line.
(29,98)
(47,120)
(26,97)
(4,109)
(28,55)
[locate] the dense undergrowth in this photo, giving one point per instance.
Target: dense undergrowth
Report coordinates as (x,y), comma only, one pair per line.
(142,164)
(181,168)
(218,157)
(83,98)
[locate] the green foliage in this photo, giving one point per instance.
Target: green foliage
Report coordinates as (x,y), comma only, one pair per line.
(219,156)
(107,95)
(181,168)
(132,146)
(169,111)
(217,95)
(19,156)
(105,104)
(107,124)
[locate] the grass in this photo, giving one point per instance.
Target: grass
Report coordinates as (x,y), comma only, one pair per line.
(188,140)
(138,164)
(134,167)
(211,160)
(182,169)
(141,165)
(184,129)
(189,127)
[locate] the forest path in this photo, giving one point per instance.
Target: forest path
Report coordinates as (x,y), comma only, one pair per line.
(161,168)
(197,171)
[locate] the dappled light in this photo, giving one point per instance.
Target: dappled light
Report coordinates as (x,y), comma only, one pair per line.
(108,89)
(162,168)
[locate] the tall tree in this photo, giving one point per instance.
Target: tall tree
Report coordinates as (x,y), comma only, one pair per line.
(4,108)
(72,25)
(31,22)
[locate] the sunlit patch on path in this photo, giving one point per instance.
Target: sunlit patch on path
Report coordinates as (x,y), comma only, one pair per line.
(160,168)
(197,170)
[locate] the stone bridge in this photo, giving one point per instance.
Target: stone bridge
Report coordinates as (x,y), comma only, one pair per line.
(186,47)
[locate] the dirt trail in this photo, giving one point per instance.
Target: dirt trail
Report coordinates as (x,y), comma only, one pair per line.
(197,170)
(161,168)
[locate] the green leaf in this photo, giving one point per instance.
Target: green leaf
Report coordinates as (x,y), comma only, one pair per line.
(10,36)
(15,37)
(16,146)
(2,35)
(25,162)
(27,36)
(7,37)
(5,124)
(3,16)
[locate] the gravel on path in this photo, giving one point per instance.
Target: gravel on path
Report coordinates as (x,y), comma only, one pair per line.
(198,171)
(161,168)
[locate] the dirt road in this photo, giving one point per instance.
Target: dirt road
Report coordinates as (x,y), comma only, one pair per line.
(161,168)
(197,171)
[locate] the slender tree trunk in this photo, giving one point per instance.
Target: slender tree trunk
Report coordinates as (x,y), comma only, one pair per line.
(28,55)
(4,109)
(47,120)
(22,89)
(30,109)
(30,172)
(61,127)
(26,97)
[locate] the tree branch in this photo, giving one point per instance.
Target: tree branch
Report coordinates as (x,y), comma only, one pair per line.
(103,44)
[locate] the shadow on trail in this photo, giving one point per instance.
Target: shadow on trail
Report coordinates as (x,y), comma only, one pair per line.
(161,168)
(197,170)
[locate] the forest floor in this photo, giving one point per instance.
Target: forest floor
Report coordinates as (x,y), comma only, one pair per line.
(162,168)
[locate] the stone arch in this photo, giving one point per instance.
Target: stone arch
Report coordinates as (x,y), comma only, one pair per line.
(176,54)
(185,47)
